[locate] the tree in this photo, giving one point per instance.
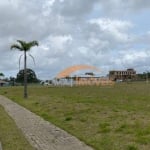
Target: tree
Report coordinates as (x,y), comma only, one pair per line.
(1,75)
(31,76)
(12,81)
(25,47)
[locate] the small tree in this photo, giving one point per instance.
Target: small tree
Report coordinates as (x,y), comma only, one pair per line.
(25,47)
(31,76)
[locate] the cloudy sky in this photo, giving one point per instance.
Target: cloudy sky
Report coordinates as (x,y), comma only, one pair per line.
(108,34)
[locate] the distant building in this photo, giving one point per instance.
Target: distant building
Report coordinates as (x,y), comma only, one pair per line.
(3,83)
(121,75)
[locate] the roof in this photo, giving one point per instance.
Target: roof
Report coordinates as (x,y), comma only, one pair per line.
(1,81)
(66,72)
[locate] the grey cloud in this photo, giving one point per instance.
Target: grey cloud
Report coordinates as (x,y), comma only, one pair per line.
(123,8)
(139,4)
(72,8)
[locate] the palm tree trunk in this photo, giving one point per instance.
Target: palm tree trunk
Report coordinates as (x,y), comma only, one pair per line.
(25,75)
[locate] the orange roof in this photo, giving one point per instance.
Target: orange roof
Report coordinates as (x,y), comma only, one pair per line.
(66,72)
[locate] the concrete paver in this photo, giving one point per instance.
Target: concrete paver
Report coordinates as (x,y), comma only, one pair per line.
(40,133)
(0,146)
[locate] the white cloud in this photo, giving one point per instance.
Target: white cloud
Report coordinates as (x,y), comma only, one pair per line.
(58,42)
(115,28)
(96,32)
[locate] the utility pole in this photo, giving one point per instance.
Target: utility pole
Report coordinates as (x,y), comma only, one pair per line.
(147,77)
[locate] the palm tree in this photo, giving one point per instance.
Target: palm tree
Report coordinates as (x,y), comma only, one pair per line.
(25,47)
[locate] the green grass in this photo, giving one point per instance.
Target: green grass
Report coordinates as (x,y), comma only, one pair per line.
(10,136)
(107,118)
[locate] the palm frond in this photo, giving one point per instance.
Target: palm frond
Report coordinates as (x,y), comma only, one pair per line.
(23,44)
(27,45)
(20,60)
(32,58)
(16,46)
(34,43)
(31,44)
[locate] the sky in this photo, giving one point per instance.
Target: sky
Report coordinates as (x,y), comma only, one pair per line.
(107,34)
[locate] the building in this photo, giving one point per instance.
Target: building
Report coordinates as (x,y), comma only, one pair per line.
(82,80)
(3,83)
(121,75)
(67,77)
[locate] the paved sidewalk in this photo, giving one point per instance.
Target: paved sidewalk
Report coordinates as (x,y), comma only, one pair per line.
(41,134)
(0,146)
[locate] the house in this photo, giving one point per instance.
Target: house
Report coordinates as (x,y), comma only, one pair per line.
(122,75)
(3,83)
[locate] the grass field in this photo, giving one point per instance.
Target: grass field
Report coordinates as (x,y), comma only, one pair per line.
(107,118)
(10,136)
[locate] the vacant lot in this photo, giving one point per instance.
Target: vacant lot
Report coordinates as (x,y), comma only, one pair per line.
(107,118)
